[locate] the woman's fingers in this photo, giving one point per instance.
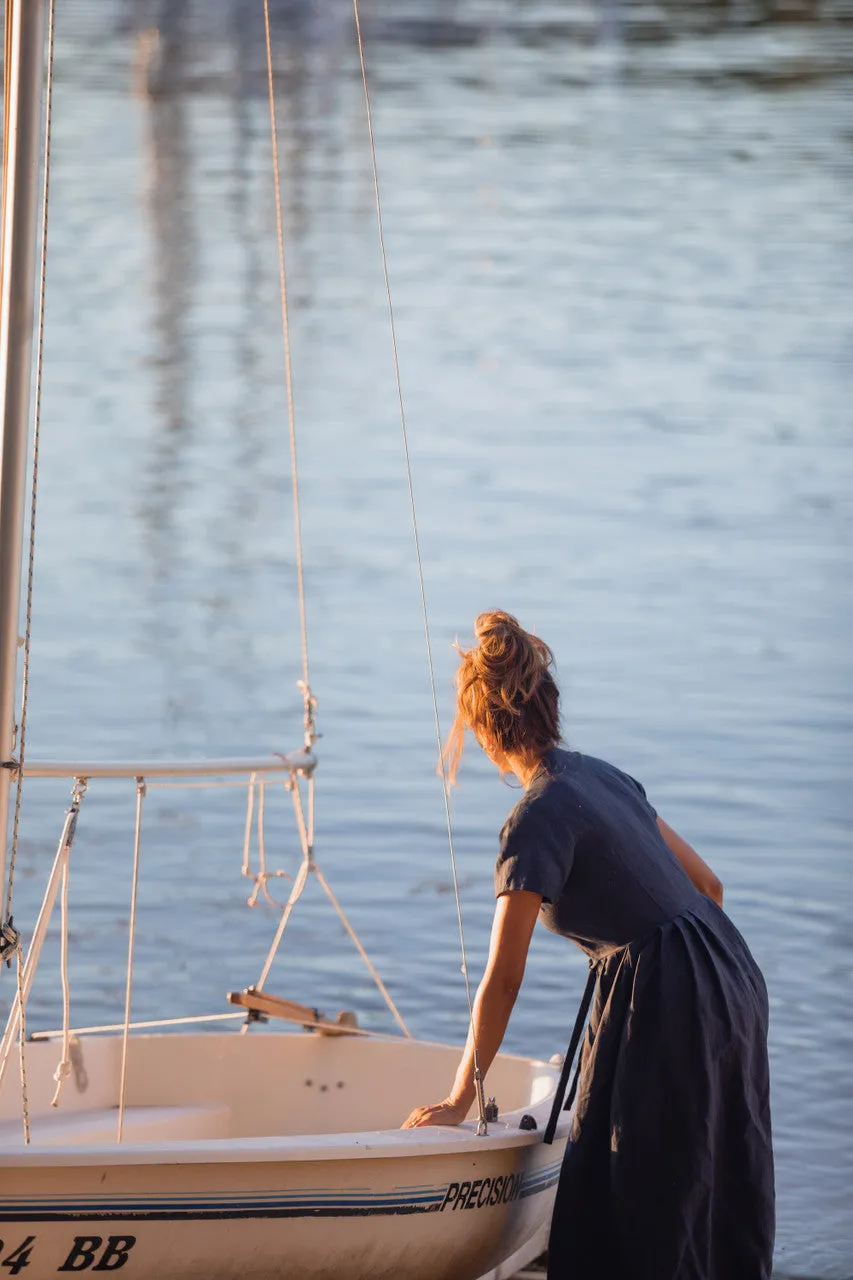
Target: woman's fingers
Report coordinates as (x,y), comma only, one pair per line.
(419,1117)
(437,1113)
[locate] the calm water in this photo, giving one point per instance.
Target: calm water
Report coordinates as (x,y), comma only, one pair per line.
(622,281)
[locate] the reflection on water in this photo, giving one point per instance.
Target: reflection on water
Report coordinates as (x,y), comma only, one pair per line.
(160,55)
(619,263)
(172,268)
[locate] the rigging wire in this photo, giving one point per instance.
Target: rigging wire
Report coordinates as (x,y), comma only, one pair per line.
(371,968)
(308,865)
(304,684)
(306,828)
(478,1079)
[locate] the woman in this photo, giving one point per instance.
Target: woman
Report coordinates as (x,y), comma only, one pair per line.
(668,1174)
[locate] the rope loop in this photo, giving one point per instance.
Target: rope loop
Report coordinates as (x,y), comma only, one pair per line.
(263,875)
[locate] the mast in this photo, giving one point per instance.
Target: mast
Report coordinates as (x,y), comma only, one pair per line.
(24,77)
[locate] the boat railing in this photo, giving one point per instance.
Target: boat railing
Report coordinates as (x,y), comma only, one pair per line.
(299,762)
(250,772)
(294,770)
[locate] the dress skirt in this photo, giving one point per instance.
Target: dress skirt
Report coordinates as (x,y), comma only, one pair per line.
(668,1174)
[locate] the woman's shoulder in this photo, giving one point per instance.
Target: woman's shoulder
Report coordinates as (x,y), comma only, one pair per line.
(568,784)
(576,766)
(575,776)
(552,790)
(537,840)
(600,783)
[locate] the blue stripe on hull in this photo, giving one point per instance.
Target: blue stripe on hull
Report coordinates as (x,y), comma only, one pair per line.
(186,1215)
(314,1204)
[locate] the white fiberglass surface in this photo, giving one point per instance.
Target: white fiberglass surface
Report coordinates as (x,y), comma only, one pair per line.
(261,1084)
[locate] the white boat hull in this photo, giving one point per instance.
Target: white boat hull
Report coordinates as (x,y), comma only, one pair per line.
(361,1219)
(433,1204)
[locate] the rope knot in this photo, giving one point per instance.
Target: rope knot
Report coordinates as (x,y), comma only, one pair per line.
(60,1075)
(261,888)
(10,942)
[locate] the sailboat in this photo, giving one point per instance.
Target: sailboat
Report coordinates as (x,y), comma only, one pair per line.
(166,1149)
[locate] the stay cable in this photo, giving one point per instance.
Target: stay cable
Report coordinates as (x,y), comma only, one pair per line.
(478,1081)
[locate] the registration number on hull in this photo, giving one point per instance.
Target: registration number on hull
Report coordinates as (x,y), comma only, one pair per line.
(87,1253)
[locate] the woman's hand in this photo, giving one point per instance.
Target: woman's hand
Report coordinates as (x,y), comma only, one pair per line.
(447,1112)
(515,915)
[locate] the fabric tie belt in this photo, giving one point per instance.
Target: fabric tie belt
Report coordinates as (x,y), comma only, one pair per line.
(577,1032)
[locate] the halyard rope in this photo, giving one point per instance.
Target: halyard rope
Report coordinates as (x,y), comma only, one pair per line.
(16,1024)
(22,1041)
(306,829)
(478,1080)
(308,698)
(247,833)
(63,1069)
(306,866)
(383,990)
(137,845)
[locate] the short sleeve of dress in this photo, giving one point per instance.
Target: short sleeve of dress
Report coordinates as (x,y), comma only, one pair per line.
(536,852)
(642,791)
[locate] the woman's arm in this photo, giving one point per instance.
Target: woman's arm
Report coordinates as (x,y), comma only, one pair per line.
(699,872)
(515,917)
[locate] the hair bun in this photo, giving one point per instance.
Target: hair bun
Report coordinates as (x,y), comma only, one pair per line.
(500,641)
(509,658)
(505,691)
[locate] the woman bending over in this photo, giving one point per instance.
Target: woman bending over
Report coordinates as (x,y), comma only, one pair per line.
(668,1173)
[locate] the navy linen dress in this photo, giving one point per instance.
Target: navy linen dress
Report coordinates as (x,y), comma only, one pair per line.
(668,1174)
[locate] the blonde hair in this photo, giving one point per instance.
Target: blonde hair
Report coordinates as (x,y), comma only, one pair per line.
(505,692)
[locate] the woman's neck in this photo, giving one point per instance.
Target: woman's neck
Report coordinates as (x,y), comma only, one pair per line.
(525,767)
